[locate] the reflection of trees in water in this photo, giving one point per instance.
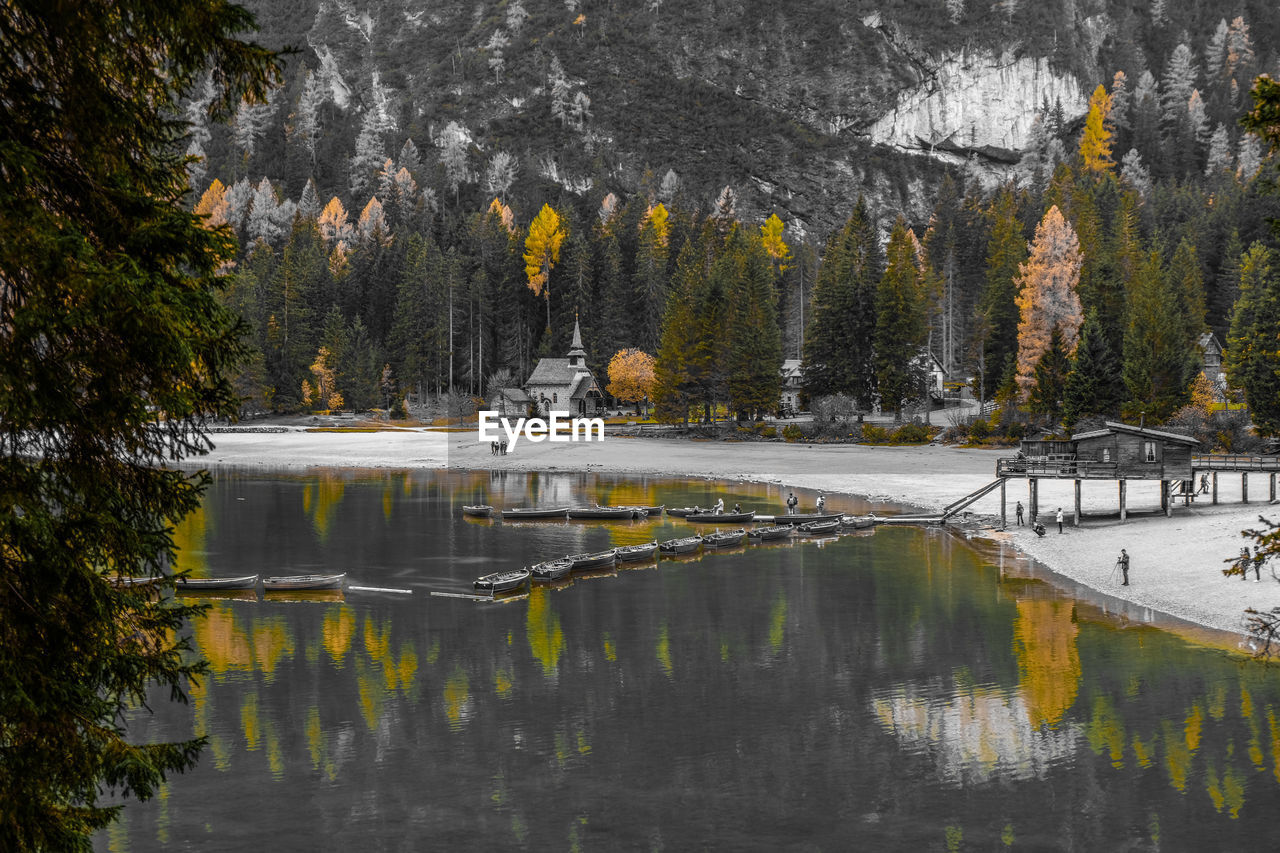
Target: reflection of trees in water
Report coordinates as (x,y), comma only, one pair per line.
(994,691)
(1048,662)
(320,500)
(542,627)
(973,735)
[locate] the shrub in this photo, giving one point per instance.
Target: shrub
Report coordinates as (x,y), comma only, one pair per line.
(1015,431)
(872,434)
(980,429)
(769,432)
(910,434)
(792,433)
(398,411)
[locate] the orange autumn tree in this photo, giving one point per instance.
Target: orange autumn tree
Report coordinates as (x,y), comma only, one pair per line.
(631,376)
(325,391)
(1047,296)
(1095,142)
(542,252)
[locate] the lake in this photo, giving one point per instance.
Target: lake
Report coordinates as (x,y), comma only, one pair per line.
(894,689)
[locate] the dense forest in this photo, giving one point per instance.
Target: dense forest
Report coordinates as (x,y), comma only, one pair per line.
(430,201)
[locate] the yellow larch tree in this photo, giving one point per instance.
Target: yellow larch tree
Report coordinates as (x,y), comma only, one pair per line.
(325,391)
(779,251)
(542,252)
(1095,142)
(631,376)
(657,216)
(334,226)
(1047,296)
(213,204)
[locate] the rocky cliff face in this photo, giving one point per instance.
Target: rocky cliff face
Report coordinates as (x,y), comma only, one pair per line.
(976,102)
(800,107)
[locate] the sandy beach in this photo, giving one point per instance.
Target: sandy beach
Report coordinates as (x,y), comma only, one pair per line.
(1176,562)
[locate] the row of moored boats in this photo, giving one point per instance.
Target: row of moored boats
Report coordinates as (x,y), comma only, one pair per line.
(550,571)
(281,583)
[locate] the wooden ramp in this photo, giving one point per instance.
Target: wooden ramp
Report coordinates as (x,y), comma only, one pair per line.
(971,498)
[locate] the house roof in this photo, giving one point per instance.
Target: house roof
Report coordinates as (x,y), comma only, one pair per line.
(1209,340)
(552,371)
(1113,427)
(515,395)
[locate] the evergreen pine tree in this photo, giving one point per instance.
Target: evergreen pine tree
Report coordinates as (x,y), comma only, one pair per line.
(1006,251)
(754,339)
(1252,361)
(900,323)
(1047,391)
(1092,386)
(650,277)
(838,340)
(1158,363)
(672,394)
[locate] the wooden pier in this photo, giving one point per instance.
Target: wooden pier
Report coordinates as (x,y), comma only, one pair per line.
(1123,452)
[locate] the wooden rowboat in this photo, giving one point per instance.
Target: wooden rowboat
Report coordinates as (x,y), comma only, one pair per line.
(725,540)
(535,513)
(807,518)
(818,528)
(769,534)
(303,582)
(685,545)
(245,582)
(613,512)
(720,518)
(635,553)
(502,581)
(478,511)
(600,559)
(858,522)
(653,511)
(682,511)
(551,570)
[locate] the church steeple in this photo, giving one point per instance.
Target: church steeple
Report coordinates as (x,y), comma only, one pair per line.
(577,355)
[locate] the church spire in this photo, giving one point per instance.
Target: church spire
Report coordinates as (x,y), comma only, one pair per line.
(577,355)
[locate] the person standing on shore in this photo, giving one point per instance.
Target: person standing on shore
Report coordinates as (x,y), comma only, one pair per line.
(1059,519)
(1018,510)
(1123,563)
(792,502)
(822,503)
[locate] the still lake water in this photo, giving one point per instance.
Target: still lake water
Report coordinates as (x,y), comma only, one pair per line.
(892,690)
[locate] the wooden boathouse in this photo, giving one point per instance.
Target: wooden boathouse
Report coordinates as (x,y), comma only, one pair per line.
(1117,451)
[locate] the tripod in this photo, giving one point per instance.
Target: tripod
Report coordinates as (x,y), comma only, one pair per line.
(1114,571)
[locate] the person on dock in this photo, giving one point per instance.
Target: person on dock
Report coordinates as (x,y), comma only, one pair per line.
(822,503)
(1123,563)
(1059,519)
(792,503)
(1018,510)
(1204,484)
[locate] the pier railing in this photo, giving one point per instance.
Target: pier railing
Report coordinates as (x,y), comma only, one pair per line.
(1083,469)
(1234,462)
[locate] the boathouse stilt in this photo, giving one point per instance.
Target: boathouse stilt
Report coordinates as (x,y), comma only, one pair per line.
(1122,510)
(1076,518)
(1244,487)
(1033,499)
(1164,497)
(1004,515)
(1273,488)
(1213,478)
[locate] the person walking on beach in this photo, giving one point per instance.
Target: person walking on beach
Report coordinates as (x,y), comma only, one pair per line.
(822,503)
(792,502)
(1059,519)
(1123,563)
(1018,510)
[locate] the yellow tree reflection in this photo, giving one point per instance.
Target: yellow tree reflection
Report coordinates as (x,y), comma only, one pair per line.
(1048,661)
(542,626)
